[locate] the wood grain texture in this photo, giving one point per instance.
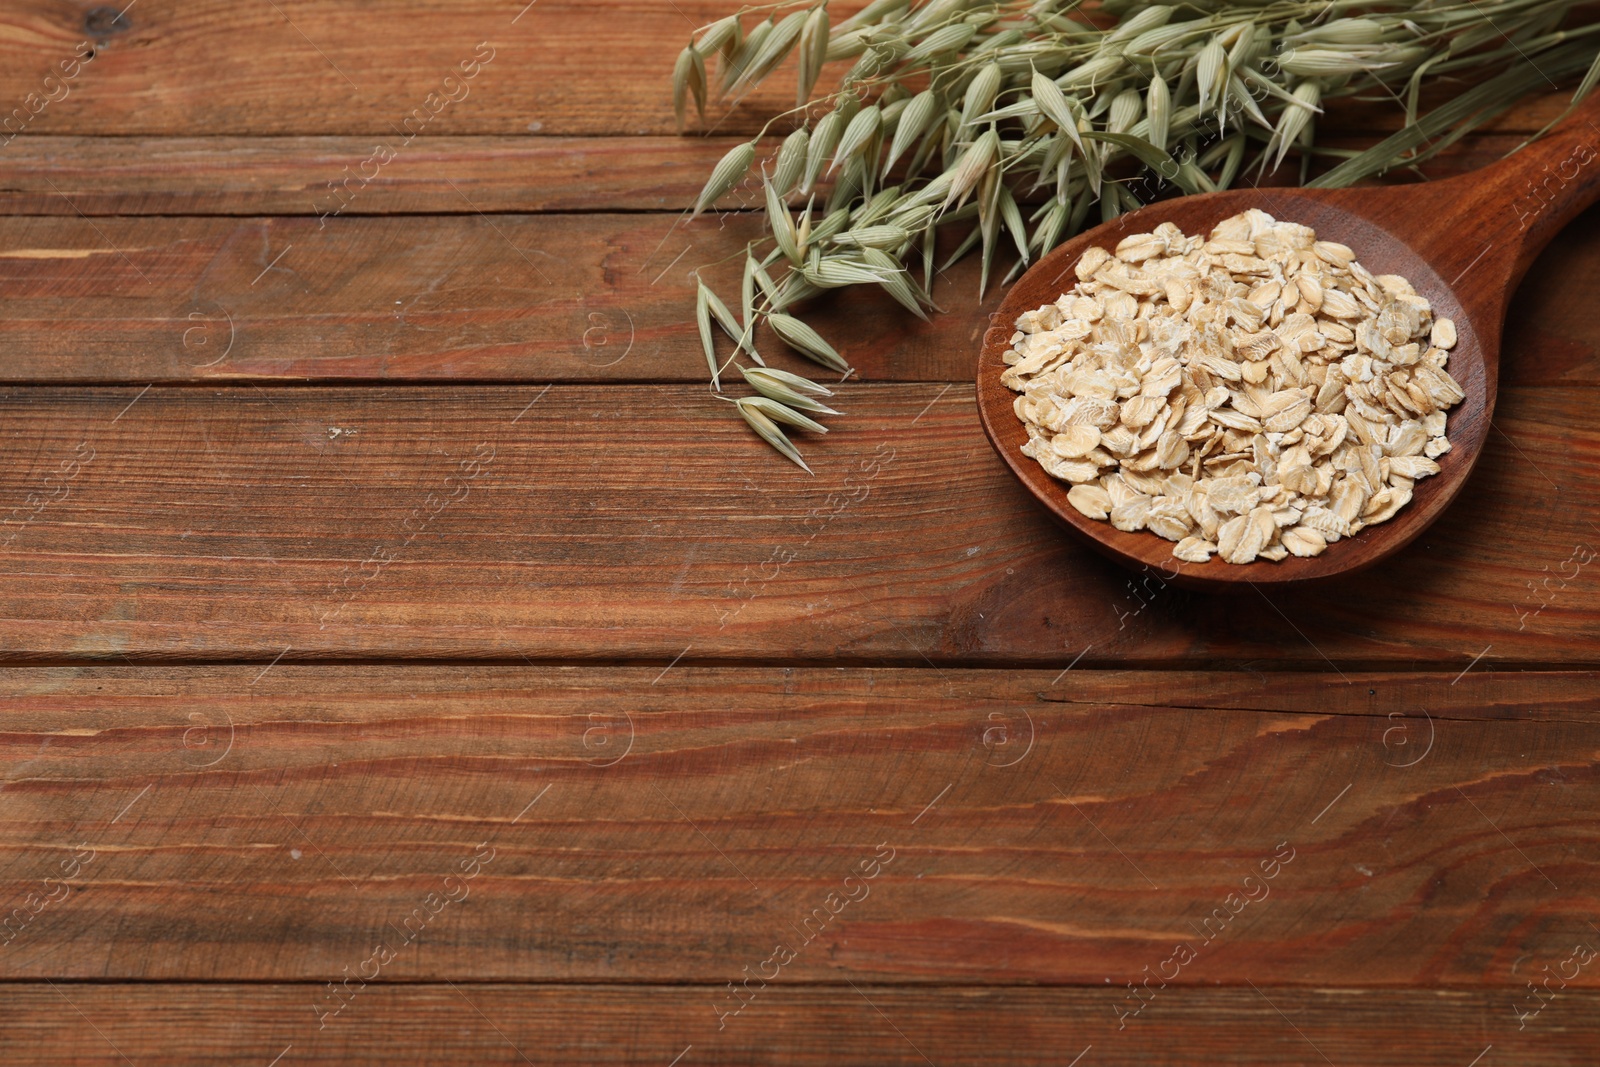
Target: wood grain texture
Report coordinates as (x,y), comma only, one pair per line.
(640,825)
(506,297)
(237,837)
(187,67)
(514,298)
(446,175)
(283,175)
(803,1026)
(628,522)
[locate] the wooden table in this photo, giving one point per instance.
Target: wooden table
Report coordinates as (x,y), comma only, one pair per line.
(408,660)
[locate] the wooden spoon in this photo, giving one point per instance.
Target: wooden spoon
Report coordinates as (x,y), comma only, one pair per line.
(1464,243)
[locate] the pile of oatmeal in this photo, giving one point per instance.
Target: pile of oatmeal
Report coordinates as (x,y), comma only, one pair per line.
(1251,394)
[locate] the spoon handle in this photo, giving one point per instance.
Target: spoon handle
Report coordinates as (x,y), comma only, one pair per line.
(1550,181)
(1482,231)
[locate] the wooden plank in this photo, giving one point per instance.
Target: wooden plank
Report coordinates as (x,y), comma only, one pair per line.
(285,175)
(513,298)
(507,297)
(630,522)
(173,1025)
(1475,694)
(187,67)
(301,67)
(636,824)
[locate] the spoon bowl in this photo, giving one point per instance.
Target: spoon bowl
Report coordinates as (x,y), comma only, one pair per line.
(1463,243)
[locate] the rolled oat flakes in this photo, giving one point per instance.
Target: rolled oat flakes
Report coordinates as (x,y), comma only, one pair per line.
(1253,394)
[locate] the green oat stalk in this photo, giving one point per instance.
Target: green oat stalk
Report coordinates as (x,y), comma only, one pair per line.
(1023,121)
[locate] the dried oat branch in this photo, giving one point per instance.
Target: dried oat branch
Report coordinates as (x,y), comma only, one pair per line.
(1036,119)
